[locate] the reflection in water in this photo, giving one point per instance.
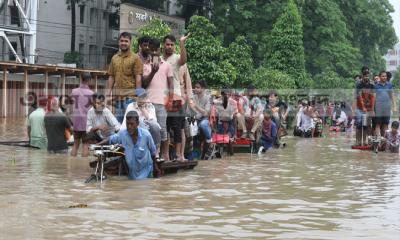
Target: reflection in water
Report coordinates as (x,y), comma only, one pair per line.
(313,189)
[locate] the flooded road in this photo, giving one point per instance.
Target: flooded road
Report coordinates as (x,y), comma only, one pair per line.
(313,189)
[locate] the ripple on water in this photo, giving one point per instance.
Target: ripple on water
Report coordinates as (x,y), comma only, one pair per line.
(312,189)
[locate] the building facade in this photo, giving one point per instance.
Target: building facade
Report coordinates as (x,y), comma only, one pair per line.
(18,22)
(393,58)
(98,25)
(133,17)
(95,37)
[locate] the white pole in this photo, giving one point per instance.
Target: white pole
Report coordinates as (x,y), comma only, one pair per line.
(5,78)
(33,30)
(2,34)
(22,13)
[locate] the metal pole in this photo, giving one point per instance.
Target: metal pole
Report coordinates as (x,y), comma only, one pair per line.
(33,29)
(26,87)
(46,83)
(63,84)
(95,82)
(22,13)
(2,34)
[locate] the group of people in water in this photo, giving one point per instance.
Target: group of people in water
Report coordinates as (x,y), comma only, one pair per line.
(159,115)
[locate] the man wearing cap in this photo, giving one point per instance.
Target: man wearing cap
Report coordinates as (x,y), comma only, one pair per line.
(147,116)
(82,101)
(125,74)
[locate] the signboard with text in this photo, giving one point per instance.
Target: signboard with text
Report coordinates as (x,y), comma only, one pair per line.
(133,17)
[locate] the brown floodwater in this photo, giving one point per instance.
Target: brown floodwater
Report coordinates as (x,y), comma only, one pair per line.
(313,189)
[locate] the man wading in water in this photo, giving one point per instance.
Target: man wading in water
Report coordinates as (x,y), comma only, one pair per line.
(364,108)
(140,150)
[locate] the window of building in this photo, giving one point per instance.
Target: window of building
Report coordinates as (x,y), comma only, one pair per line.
(82,14)
(109,52)
(11,55)
(92,54)
(393,63)
(81,48)
(113,21)
(14,14)
(82,51)
(93,16)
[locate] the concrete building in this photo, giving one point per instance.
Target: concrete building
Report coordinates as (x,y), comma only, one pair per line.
(98,24)
(18,22)
(393,58)
(133,17)
(96,32)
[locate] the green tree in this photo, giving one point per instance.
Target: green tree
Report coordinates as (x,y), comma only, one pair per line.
(327,40)
(371,26)
(330,79)
(266,79)
(156,28)
(250,18)
(396,79)
(240,56)
(286,51)
(194,7)
(207,58)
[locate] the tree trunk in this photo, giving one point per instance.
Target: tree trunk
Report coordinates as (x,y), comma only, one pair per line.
(73,25)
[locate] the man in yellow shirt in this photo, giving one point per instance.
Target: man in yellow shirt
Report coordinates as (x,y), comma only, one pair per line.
(125,75)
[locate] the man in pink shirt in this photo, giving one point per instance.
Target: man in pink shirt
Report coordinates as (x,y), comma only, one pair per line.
(81,104)
(159,83)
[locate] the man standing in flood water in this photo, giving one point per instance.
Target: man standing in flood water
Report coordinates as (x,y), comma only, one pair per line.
(82,102)
(125,72)
(36,128)
(140,150)
(56,124)
(364,104)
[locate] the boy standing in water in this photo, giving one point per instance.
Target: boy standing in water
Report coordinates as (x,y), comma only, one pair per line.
(392,139)
(269,132)
(364,108)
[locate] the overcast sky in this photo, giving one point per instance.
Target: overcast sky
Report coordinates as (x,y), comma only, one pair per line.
(396,16)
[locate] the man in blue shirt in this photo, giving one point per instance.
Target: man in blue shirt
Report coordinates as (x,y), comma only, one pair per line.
(140,150)
(384,103)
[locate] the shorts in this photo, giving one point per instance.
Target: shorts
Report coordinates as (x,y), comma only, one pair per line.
(161,115)
(80,135)
(382,113)
(382,120)
(176,124)
(359,119)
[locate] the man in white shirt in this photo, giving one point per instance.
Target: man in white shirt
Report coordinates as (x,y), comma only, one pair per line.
(147,116)
(101,123)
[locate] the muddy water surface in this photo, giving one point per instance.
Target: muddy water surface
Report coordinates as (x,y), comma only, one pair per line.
(313,189)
